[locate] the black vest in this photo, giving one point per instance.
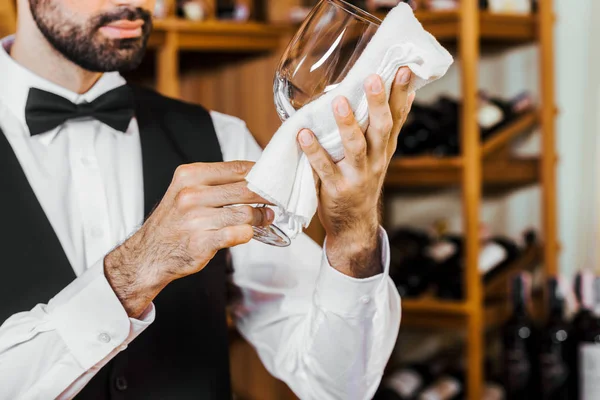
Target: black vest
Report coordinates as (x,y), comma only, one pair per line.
(184,353)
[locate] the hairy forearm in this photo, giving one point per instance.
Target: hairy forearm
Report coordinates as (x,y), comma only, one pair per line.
(134,285)
(356,253)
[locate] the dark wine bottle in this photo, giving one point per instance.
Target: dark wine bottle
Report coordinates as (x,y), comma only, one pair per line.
(225,9)
(519,340)
(449,386)
(555,338)
(407,382)
(581,324)
(495,255)
(589,353)
(359,3)
(384,6)
(410,269)
(493,389)
(495,113)
(403,384)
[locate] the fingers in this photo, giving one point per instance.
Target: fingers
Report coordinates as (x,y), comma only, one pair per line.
(210,174)
(320,161)
(399,98)
(395,133)
(353,139)
(380,117)
(216,196)
(233,236)
(241,215)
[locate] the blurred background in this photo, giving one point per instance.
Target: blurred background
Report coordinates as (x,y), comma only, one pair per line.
(491,201)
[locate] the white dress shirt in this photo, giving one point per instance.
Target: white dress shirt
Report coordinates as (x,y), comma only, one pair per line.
(327,335)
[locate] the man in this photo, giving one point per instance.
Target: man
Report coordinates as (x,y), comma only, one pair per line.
(85,160)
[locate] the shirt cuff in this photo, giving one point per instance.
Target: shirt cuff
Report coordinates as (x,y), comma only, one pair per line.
(345,295)
(91,320)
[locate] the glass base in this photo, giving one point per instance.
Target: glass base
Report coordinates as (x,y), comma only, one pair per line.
(271,235)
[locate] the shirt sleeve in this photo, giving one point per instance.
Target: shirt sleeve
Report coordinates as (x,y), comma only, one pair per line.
(55,349)
(327,335)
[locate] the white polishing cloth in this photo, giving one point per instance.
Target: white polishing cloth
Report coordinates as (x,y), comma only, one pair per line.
(283,174)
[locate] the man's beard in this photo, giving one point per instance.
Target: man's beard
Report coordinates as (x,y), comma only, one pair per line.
(84,44)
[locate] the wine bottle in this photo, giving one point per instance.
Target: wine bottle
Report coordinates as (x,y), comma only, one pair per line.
(410,269)
(384,6)
(407,382)
(555,338)
(225,9)
(589,353)
(359,3)
(495,255)
(519,345)
(442,5)
(495,113)
(583,320)
(403,384)
(493,389)
(449,386)
(435,129)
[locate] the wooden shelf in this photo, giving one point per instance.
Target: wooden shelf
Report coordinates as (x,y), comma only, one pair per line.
(223,36)
(428,172)
(430,312)
(502,28)
(218,36)
(431,305)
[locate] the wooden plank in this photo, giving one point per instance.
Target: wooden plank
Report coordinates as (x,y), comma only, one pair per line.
(219,36)
(167,66)
(502,138)
(431,305)
(508,174)
(8,18)
(549,158)
(471,192)
(498,175)
(443,25)
(508,27)
(426,162)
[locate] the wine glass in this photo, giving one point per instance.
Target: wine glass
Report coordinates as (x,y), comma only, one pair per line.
(322,52)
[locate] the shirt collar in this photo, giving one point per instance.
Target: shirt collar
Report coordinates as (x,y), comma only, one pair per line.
(16,80)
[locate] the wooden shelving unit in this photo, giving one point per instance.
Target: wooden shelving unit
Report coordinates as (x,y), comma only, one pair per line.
(484,167)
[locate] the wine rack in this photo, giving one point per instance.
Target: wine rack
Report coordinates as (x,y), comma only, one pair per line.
(484,168)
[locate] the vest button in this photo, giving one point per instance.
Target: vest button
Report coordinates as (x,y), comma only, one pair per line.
(121,383)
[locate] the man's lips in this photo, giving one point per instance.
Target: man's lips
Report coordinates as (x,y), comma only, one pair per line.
(123,29)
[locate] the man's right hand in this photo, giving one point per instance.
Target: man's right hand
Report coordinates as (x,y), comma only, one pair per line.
(185,231)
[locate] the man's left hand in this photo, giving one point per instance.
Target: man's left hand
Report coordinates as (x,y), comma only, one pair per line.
(349,191)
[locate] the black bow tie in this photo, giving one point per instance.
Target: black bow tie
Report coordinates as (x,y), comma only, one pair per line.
(45,111)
